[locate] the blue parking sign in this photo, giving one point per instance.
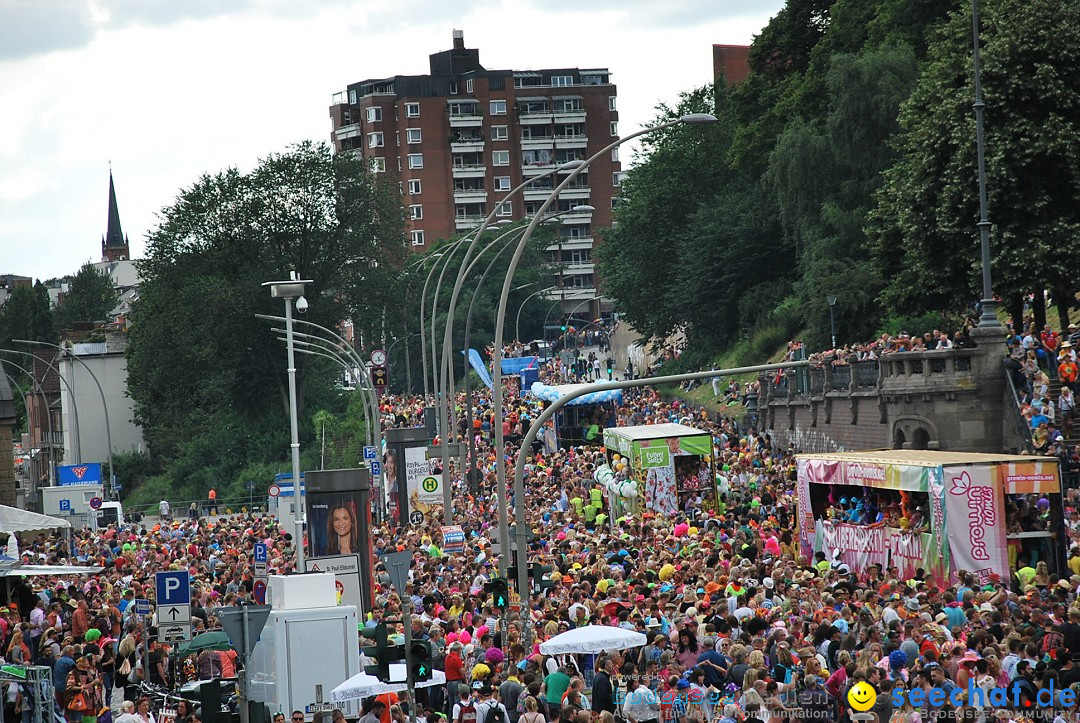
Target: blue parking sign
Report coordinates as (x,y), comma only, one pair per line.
(260,552)
(370,453)
(376,469)
(65,505)
(173,588)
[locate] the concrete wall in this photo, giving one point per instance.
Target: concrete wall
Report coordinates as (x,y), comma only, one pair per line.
(111,371)
(956,400)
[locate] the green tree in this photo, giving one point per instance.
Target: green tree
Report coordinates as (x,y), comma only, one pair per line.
(923,225)
(90,297)
(208,378)
(25,315)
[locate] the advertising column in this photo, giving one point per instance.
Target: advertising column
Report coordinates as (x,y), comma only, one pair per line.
(404,470)
(974,523)
(339,531)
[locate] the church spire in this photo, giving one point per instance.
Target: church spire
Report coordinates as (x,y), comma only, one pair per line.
(114,244)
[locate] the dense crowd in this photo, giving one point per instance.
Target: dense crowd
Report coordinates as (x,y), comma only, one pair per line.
(740,626)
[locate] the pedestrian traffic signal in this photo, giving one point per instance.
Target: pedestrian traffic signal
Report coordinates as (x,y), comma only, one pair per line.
(563,328)
(610,367)
(382,651)
(500,593)
(539,573)
(420,652)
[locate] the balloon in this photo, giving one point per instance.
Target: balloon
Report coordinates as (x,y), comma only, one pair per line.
(615,457)
(620,466)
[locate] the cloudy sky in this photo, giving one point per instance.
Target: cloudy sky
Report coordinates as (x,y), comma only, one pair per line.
(169,89)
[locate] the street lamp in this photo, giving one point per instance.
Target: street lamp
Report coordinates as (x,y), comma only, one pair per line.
(988,317)
(497,399)
(832,319)
(290,291)
(517,319)
(104,404)
(423,303)
(48,416)
(76,445)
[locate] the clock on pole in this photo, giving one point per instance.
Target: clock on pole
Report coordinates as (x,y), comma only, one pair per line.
(378,357)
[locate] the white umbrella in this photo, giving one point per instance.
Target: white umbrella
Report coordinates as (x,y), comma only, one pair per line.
(363,685)
(593,639)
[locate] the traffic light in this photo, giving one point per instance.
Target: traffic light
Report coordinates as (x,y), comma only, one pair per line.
(500,593)
(420,652)
(563,328)
(610,368)
(382,651)
(539,573)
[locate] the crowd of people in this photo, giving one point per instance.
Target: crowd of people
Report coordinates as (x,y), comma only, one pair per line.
(741,626)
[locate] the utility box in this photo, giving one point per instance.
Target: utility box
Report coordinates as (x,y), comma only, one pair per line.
(302,655)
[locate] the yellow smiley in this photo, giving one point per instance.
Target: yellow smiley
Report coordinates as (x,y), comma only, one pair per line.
(862,696)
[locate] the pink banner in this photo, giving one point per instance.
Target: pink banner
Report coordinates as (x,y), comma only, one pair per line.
(861,546)
(805,512)
(975,527)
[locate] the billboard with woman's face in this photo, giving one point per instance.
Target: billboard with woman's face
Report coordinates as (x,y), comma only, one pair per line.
(332,524)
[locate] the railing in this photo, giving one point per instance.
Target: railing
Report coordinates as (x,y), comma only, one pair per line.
(1023,429)
(841,377)
(867,375)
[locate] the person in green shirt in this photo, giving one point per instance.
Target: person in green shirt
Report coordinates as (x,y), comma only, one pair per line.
(577,503)
(597,496)
(601,519)
(590,514)
(555,684)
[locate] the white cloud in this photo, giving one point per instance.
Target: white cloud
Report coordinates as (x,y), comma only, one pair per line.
(168,96)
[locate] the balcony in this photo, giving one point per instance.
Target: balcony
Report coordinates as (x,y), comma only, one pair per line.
(570,116)
(470,145)
(350,131)
(468,171)
(464,223)
(537,192)
(570,244)
(537,144)
(576,194)
(536,117)
(577,267)
(460,120)
(470,195)
(535,169)
(579,140)
(585,217)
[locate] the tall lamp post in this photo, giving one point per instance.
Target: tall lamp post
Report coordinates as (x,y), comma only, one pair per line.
(497,398)
(290,291)
(988,317)
(104,404)
(76,446)
(832,319)
(517,319)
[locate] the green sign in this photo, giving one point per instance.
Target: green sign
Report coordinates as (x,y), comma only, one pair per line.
(657,456)
(429,484)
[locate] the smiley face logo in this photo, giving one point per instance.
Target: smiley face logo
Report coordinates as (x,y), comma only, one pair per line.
(862,696)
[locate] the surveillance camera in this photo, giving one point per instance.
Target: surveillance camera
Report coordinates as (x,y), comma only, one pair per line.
(301,305)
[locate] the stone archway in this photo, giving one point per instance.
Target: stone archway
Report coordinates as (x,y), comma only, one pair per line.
(899,440)
(914,433)
(920,439)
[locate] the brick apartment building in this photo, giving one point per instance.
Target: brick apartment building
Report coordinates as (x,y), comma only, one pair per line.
(731,62)
(462,137)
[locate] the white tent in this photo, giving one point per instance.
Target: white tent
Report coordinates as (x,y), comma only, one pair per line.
(593,639)
(363,685)
(12,519)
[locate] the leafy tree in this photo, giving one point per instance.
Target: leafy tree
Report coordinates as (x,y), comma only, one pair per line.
(90,297)
(208,379)
(924,222)
(26,315)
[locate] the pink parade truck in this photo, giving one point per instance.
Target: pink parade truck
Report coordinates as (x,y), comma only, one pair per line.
(939,512)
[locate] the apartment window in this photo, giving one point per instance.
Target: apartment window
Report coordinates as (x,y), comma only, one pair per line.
(468,85)
(399,164)
(412,110)
(453,88)
(498,107)
(502,183)
(498,133)
(562,81)
(611,102)
(412,136)
(614,128)
(500,158)
(374,114)
(414,187)
(417,238)
(504,209)
(352,97)
(416,212)
(378,165)
(375,140)
(416,160)
(569,105)
(616,179)
(615,154)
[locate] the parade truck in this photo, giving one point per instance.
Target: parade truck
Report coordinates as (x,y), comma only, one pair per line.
(671,464)
(592,411)
(929,514)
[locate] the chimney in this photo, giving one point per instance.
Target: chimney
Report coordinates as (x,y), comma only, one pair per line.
(459,40)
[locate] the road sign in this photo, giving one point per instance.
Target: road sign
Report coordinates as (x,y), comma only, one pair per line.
(379,376)
(376,468)
(142,606)
(371,453)
(430,484)
(173,588)
(273,491)
(243,629)
(174,633)
(346,569)
(250,485)
(258,592)
(397,567)
(174,614)
(260,559)
(65,505)
(416,517)
(95,503)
